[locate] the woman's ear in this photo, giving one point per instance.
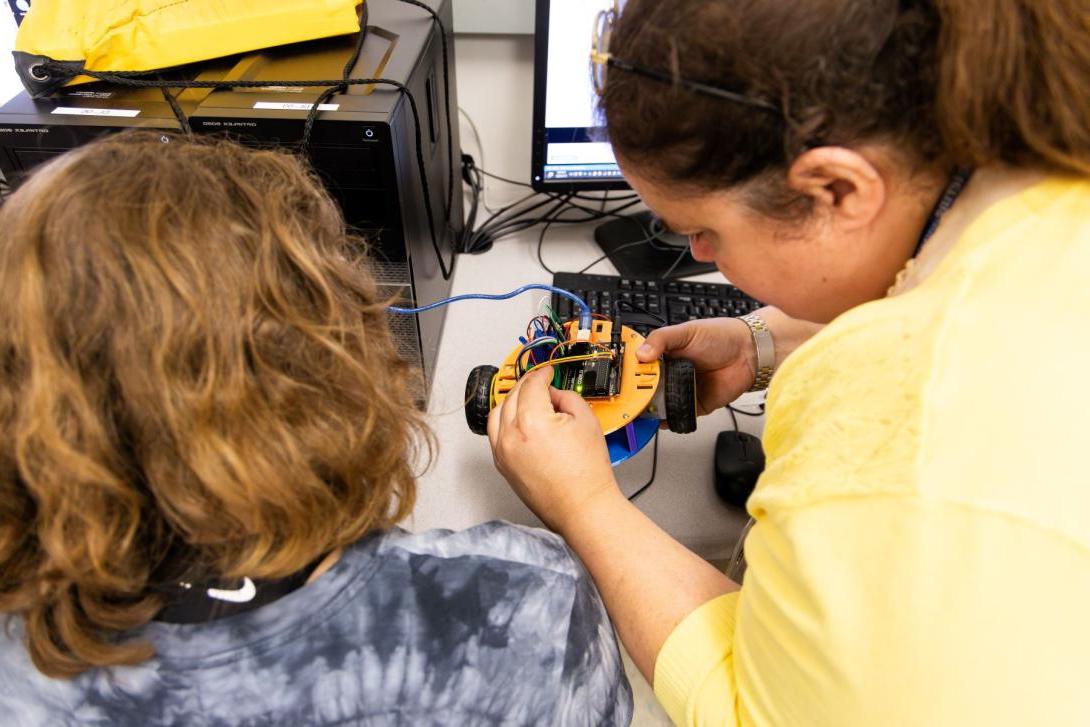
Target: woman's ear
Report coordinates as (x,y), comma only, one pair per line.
(846,187)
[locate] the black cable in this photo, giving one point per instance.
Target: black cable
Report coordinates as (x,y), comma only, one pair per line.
(481,239)
(346,73)
(743,412)
(350,64)
(540,243)
(597,214)
(733,417)
(672,268)
(133,81)
(498,223)
(471,175)
(505,179)
(617,249)
(590,215)
(654,466)
(516,217)
(446,101)
(503,210)
(490,232)
(535,197)
(640,309)
(179,114)
(312,115)
(651,237)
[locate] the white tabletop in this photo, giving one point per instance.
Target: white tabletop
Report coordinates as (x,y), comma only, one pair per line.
(463,488)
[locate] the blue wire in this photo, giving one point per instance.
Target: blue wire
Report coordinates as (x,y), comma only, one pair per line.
(585,316)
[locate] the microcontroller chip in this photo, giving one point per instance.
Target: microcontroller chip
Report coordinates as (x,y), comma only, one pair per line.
(592,379)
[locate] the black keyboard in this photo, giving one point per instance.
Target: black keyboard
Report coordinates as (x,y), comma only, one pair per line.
(674,301)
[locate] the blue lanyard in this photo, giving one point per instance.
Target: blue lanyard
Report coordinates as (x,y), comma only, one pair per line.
(954,188)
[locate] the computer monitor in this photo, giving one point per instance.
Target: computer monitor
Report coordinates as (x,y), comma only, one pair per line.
(569,151)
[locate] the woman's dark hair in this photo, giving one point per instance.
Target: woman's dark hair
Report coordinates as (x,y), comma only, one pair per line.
(196,380)
(948,82)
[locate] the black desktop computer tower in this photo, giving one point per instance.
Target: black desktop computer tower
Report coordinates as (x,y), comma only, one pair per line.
(363,143)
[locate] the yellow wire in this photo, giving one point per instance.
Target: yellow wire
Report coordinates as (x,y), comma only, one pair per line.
(570,359)
(602,348)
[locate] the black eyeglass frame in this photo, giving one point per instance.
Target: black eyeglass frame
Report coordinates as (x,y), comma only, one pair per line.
(602,59)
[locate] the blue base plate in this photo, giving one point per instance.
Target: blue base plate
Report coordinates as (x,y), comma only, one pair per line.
(627,441)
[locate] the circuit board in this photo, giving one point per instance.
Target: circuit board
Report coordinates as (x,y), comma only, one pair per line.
(598,378)
(632,386)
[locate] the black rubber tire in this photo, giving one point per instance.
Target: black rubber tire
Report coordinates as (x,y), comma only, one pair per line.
(680,395)
(478,398)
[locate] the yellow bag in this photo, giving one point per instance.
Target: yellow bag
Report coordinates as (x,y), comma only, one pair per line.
(147,35)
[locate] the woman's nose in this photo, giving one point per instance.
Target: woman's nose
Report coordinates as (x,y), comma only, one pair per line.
(702,251)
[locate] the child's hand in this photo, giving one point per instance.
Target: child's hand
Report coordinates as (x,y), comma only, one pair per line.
(550,447)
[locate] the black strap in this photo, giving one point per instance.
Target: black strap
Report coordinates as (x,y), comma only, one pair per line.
(958,180)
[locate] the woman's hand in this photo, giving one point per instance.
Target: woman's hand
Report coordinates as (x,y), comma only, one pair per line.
(549,445)
(722,351)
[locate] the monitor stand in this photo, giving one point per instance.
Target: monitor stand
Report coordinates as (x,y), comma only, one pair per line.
(640,247)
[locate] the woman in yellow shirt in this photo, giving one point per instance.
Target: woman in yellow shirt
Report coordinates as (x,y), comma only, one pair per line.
(916,175)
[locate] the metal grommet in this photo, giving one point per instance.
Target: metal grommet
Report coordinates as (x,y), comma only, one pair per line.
(37,73)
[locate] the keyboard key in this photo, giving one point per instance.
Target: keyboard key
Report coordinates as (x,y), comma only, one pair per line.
(677,301)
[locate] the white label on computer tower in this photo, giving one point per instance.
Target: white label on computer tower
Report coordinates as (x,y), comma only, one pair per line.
(294,106)
(96,112)
(90,94)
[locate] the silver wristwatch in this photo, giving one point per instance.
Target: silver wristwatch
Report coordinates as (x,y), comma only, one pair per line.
(766,351)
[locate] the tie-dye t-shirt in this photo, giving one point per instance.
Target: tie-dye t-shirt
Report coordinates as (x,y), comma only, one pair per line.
(495,625)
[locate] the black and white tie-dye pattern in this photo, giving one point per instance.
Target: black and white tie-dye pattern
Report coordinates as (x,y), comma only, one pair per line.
(495,625)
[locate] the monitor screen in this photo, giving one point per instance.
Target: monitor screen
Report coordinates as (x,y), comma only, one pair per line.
(568,153)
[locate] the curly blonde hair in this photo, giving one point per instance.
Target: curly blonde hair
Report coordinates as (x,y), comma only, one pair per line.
(196,380)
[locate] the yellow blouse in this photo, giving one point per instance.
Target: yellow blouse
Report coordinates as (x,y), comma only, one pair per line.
(922,547)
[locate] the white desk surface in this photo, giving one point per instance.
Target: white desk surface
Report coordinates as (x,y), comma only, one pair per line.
(463,488)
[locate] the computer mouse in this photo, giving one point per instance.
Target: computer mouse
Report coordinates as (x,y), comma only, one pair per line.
(739,461)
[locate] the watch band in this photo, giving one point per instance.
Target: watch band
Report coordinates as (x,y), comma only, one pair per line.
(766,350)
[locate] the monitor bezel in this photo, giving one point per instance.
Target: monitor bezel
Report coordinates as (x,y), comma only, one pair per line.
(538,150)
